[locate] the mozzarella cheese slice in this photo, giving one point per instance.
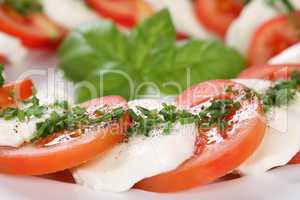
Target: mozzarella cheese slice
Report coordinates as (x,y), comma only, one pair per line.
(128,163)
(14,134)
(183,15)
(282,138)
(12,49)
(68,13)
(256,13)
(288,56)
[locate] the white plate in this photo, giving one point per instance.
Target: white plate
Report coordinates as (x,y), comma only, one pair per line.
(279,184)
(283,183)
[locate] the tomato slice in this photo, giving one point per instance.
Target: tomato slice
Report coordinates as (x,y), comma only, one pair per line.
(295,159)
(63,176)
(270,72)
(127,13)
(3,59)
(215,155)
(9,93)
(217,15)
(35,30)
(32,159)
(273,37)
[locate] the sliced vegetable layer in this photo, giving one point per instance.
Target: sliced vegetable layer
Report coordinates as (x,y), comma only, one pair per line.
(217,15)
(223,142)
(127,13)
(35,29)
(66,149)
(270,72)
(273,37)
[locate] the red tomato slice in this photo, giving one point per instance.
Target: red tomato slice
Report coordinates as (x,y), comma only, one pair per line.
(217,15)
(38,159)
(295,159)
(3,59)
(127,13)
(22,90)
(273,37)
(270,72)
(63,176)
(214,158)
(35,30)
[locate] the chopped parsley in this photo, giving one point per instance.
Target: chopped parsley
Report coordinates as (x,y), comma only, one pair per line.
(213,116)
(216,114)
(287,4)
(24,7)
(1,75)
(282,93)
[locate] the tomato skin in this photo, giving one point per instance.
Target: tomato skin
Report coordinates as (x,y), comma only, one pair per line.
(295,159)
(217,15)
(270,72)
(35,30)
(217,159)
(23,90)
(273,37)
(63,176)
(127,13)
(3,59)
(36,160)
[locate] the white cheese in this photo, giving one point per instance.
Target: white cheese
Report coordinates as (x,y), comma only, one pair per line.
(14,133)
(68,13)
(255,14)
(288,56)
(128,163)
(184,18)
(12,49)
(282,138)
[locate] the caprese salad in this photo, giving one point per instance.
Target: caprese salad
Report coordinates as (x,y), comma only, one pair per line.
(245,125)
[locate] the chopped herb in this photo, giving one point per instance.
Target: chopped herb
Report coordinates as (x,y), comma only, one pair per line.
(24,7)
(282,93)
(216,113)
(61,104)
(73,119)
(1,75)
(287,4)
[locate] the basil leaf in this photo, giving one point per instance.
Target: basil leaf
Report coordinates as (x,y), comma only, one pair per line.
(195,61)
(110,79)
(89,47)
(150,38)
(149,54)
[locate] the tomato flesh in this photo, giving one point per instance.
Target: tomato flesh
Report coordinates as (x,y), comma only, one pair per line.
(22,91)
(213,158)
(35,30)
(32,159)
(270,72)
(273,37)
(127,13)
(217,15)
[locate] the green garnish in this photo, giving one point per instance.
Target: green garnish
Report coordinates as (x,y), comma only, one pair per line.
(146,54)
(1,75)
(282,93)
(216,113)
(287,4)
(24,7)
(75,118)
(212,116)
